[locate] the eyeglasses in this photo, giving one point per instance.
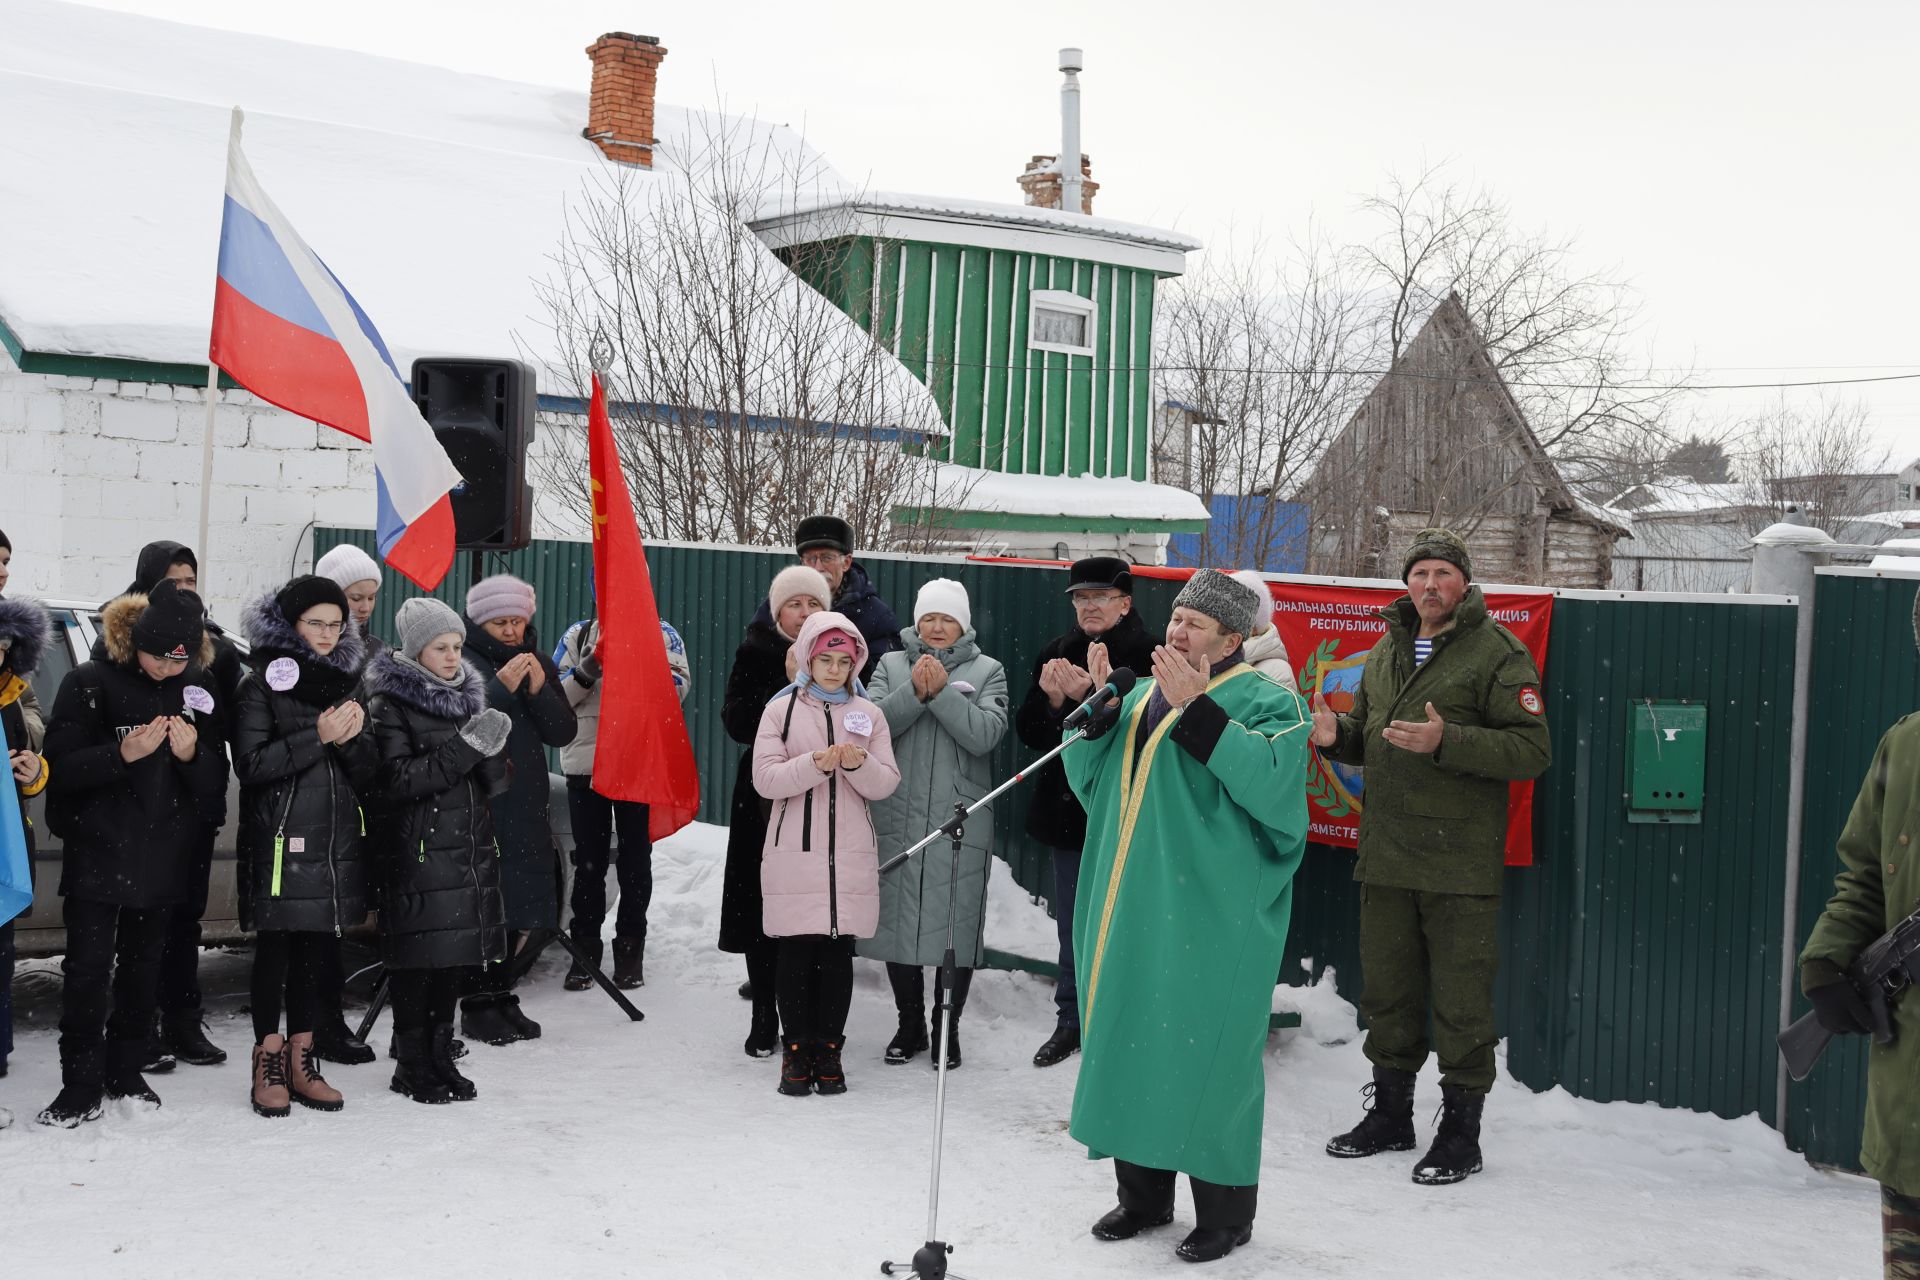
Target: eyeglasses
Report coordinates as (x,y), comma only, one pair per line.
(1089,600)
(822,559)
(329,628)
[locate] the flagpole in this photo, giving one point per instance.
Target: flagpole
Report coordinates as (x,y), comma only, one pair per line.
(201,548)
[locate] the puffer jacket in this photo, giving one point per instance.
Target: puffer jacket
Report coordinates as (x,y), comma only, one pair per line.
(523,819)
(301,864)
(130,830)
(28,630)
(820,867)
(759,672)
(944,748)
(859,602)
(436,866)
(1267,654)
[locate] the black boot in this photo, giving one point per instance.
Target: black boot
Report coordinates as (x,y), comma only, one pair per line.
(953,1041)
(910,1040)
(524,1028)
(124,1060)
(796,1069)
(414,1076)
(482,1018)
(1061,1045)
(440,1053)
(1388,1124)
(1205,1244)
(185,1036)
(763,1037)
(82,1086)
(1455,1153)
(629,963)
(578,978)
(1124,1223)
(828,1074)
(334,1041)
(393,1048)
(160,1059)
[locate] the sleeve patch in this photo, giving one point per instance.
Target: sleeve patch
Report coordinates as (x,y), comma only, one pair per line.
(1530,700)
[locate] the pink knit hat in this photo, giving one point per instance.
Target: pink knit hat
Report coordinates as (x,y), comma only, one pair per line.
(501,596)
(835,641)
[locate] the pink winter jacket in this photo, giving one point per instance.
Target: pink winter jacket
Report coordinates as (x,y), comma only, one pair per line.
(820,866)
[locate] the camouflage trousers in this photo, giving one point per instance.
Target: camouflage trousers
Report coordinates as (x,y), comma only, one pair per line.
(1900,1234)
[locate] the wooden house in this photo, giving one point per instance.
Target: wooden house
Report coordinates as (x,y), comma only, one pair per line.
(1441,441)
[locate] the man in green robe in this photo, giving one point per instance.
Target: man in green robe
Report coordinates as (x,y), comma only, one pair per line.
(1195,791)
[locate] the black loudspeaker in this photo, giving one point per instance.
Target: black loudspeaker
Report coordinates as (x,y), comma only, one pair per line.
(482,411)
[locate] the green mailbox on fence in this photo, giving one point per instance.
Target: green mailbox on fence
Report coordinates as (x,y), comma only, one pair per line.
(1666,760)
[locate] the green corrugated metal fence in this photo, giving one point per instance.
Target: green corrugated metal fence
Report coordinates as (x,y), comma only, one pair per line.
(1866,675)
(1640,962)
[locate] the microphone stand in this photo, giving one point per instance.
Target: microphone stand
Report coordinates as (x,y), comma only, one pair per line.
(930,1260)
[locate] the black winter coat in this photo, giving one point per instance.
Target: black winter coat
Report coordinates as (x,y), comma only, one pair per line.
(25,624)
(530,862)
(859,601)
(130,830)
(759,671)
(436,866)
(1054,815)
(301,857)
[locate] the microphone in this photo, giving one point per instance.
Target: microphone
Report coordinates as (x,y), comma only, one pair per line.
(1119,684)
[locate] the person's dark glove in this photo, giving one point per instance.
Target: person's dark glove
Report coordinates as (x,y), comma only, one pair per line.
(1103,720)
(1839,1009)
(587,672)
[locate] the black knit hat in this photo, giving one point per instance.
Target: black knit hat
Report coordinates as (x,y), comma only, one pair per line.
(1097,573)
(171,624)
(306,591)
(1437,544)
(830,532)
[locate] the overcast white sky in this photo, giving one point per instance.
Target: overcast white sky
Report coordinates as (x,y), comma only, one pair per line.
(1753,166)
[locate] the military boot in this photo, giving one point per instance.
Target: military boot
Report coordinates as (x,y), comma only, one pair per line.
(1455,1153)
(1388,1125)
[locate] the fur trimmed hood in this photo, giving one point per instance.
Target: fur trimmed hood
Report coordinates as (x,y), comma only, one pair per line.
(30,627)
(116,631)
(267,629)
(388,674)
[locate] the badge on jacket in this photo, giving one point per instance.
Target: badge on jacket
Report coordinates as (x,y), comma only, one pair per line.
(1530,701)
(282,674)
(859,722)
(197,698)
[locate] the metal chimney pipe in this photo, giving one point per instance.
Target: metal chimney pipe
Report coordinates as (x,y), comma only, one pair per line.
(1071,62)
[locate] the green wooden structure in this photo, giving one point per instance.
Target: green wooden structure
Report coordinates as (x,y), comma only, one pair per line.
(1032,329)
(1641,962)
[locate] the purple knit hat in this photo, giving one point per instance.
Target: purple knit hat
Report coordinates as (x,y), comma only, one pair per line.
(501,596)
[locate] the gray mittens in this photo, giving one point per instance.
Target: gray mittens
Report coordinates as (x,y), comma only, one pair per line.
(487,732)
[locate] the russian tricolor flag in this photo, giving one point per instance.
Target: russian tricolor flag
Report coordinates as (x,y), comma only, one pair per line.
(287,330)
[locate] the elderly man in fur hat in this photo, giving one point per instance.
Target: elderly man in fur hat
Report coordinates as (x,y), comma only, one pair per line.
(1449,712)
(1195,791)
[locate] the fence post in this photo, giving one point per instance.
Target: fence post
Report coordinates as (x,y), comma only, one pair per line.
(1785,557)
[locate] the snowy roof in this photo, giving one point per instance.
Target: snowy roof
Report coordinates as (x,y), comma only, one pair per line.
(1909,564)
(1908,519)
(436,195)
(983,211)
(959,488)
(1686,497)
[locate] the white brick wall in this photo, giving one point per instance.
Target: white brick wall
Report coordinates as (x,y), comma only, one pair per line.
(95,468)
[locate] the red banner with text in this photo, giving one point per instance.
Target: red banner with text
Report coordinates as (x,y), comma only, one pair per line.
(1328,632)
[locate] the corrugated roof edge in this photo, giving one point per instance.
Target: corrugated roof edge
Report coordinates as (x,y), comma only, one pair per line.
(983,211)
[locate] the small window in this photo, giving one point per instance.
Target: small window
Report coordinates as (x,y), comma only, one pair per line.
(1061,321)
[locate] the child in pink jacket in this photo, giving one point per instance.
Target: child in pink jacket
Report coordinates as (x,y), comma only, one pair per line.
(822,752)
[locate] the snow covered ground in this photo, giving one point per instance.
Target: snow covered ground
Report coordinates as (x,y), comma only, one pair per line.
(660,1149)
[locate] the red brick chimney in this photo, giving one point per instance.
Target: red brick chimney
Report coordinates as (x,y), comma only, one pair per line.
(620,109)
(1041,182)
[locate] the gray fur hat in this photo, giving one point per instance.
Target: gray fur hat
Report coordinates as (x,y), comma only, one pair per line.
(421,619)
(1232,604)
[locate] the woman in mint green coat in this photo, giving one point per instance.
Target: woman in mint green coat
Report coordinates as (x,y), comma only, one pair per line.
(946,705)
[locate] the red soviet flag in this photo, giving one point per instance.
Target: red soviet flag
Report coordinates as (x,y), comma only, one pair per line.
(642,752)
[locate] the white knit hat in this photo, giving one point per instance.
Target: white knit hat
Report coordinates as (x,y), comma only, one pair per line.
(798,580)
(944,595)
(1263,620)
(347,564)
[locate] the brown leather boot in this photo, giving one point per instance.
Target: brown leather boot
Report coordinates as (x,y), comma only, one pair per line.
(304,1082)
(270,1096)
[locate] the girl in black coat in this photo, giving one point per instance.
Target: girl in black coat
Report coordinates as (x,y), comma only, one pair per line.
(523,683)
(304,758)
(437,866)
(25,631)
(136,772)
(759,672)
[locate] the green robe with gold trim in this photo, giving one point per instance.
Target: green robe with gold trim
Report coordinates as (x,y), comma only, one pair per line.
(1186,888)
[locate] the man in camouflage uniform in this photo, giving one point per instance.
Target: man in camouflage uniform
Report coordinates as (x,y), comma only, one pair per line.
(1878,885)
(1448,714)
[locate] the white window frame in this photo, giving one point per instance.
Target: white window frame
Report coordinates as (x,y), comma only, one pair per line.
(1061,300)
